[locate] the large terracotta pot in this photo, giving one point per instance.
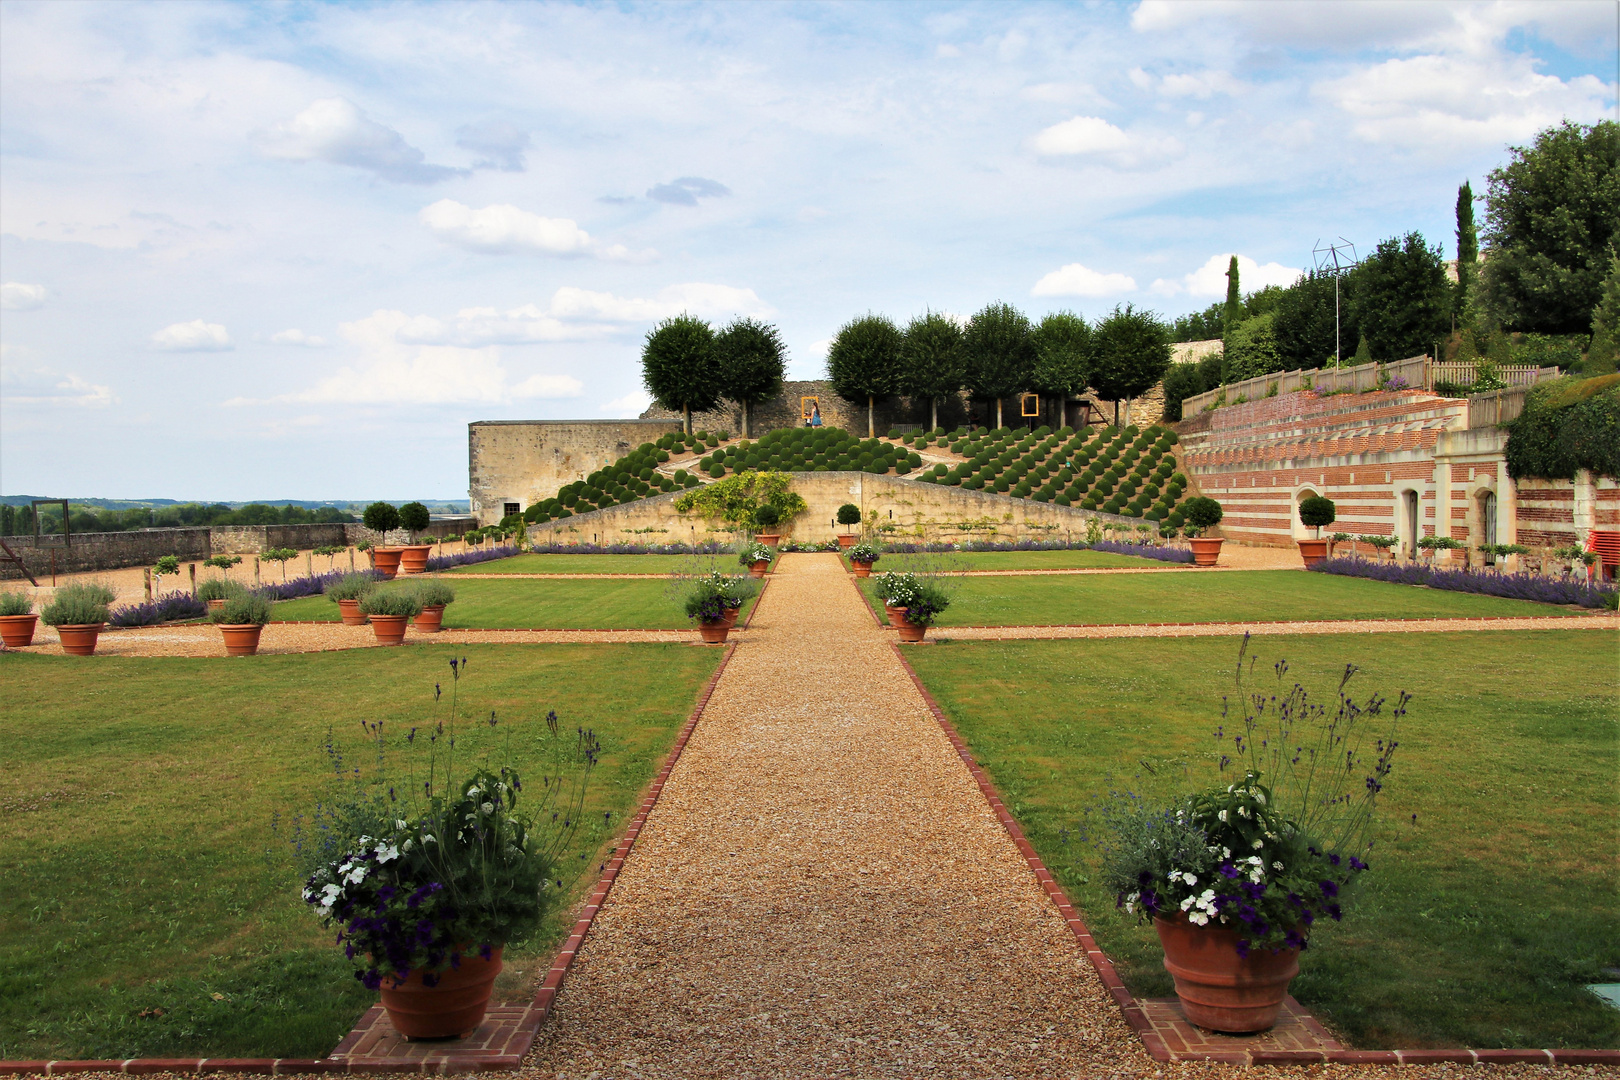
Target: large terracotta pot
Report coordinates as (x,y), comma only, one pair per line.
(731,616)
(214,605)
(413,558)
(349,611)
(768,539)
(390,629)
(897,615)
(241,639)
(431,620)
(386,560)
(846,542)
(80,639)
(910,631)
(1220,990)
(714,633)
(758,569)
(862,569)
(1206,550)
(1312,551)
(17,631)
(453,1006)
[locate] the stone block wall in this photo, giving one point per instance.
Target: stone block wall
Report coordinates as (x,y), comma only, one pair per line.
(524,461)
(252,539)
(103,551)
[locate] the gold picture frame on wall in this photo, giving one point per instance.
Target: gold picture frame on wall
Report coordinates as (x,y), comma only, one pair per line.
(1029,404)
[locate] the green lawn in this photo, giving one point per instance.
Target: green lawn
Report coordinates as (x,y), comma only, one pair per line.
(1259,595)
(548,604)
(1480,922)
(957,561)
(138,798)
(604,564)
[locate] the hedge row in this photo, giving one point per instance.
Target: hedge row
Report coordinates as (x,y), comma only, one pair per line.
(811,450)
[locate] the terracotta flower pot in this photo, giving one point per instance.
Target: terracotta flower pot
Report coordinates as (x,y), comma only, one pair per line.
(453,1006)
(757,569)
(714,633)
(390,629)
(731,616)
(768,539)
(386,560)
(80,640)
(910,631)
(349,611)
(1220,990)
(846,542)
(862,569)
(431,620)
(897,615)
(1206,550)
(241,639)
(214,605)
(413,558)
(1312,551)
(17,631)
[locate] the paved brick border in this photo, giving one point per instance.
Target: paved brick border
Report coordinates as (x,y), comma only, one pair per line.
(521,1032)
(1133,1010)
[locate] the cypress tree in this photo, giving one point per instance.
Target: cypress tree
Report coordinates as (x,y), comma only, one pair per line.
(1467,249)
(1232,313)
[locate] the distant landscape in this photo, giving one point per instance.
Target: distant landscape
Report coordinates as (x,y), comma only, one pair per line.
(120,515)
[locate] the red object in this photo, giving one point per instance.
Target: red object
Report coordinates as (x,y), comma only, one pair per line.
(897,615)
(80,640)
(1206,550)
(452,1007)
(846,542)
(214,605)
(910,631)
(386,561)
(862,569)
(1220,990)
(714,633)
(349,611)
(241,639)
(17,631)
(1312,551)
(757,569)
(413,558)
(431,620)
(768,539)
(1606,544)
(730,618)
(390,629)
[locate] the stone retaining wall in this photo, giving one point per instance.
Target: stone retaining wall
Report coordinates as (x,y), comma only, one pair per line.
(103,551)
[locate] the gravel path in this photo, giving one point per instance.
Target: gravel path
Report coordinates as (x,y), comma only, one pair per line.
(1343,626)
(823,891)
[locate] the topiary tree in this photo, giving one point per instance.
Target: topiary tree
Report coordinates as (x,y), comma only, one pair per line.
(766,516)
(1232,312)
(1467,255)
(999,352)
(1130,352)
(680,368)
(1201,512)
(381,518)
(413,517)
(931,360)
(849,514)
(1316,512)
(750,358)
(1062,367)
(864,362)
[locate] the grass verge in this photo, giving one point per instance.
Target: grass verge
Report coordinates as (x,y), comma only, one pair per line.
(725,562)
(1019,560)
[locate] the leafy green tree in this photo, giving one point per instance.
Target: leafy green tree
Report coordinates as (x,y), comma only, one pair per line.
(752,363)
(1000,353)
(863,362)
(1251,349)
(381,517)
(1181,382)
(1062,342)
(1467,254)
(1130,352)
(931,360)
(1304,326)
(1232,312)
(413,517)
(679,366)
(1551,216)
(1401,298)
(1200,325)
(1604,352)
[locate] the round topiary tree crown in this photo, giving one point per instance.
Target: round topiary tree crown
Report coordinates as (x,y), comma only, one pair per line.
(849,514)
(1317,511)
(381,517)
(1202,512)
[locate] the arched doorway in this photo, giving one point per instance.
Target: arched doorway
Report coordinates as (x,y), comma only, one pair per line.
(1487,523)
(1301,530)
(1411,528)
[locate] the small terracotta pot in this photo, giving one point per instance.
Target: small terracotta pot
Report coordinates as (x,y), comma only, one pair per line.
(241,639)
(862,569)
(390,629)
(910,631)
(714,633)
(431,620)
(757,569)
(1206,550)
(17,631)
(1312,551)
(768,539)
(1220,990)
(386,560)
(897,615)
(214,605)
(731,616)
(349,611)
(846,542)
(454,1006)
(80,639)
(413,558)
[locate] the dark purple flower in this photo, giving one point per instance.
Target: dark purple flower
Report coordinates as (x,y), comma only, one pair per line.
(1228,870)
(1333,912)
(1333,860)
(1329,887)
(1242,947)
(1356,864)
(1293,940)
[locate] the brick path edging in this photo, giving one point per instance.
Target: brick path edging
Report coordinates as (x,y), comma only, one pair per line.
(1152,1041)
(451,1062)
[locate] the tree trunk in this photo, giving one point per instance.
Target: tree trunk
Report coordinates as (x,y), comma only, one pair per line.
(686,421)
(933,414)
(871,423)
(998,412)
(1116,415)
(745,419)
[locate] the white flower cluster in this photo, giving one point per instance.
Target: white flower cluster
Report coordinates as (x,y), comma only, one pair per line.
(1200,909)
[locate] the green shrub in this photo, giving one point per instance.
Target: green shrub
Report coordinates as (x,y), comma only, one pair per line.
(434,592)
(849,514)
(407,602)
(381,517)
(168,564)
(1202,512)
(1317,511)
(926,604)
(349,587)
(78,605)
(15,603)
(220,589)
(243,609)
(766,516)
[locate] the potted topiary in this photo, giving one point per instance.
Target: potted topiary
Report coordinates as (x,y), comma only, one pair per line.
(17,619)
(1430,544)
(848,514)
(897,591)
(346,592)
(389,611)
(383,518)
(921,611)
(413,517)
(706,602)
(78,612)
(862,556)
(434,594)
(766,518)
(1234,877)
(757,557)
(215,591)
(240,622)
(1316,512)
(1202,512)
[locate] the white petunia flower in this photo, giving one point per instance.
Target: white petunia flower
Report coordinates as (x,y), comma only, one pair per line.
(1276,866)
(1259,843)
(488,808)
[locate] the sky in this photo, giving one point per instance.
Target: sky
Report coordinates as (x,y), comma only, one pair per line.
(292,250)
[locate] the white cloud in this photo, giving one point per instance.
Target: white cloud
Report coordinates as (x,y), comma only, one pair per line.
(39,386)
(1210,278)
(18,296)
(1094,137)
(504,228)
(1200,84)
(695,298)
(629,406)
(335,130)
(193,336)
(297,337)
(1077,280)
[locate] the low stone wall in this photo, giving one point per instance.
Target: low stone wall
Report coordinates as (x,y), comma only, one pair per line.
(903,510)
(103,551)
(252,539)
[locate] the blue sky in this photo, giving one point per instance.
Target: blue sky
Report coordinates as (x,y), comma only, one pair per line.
(266,251)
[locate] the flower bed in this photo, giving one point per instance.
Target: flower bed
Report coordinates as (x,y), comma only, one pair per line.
(307,585)
(1116,547)
(468,558)
(166,608)
(1520,586)
(621,549)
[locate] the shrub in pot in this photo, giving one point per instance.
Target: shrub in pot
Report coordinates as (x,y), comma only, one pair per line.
(383,518)
(897,591)
(1200,513)
(389,611)
(1316,512)
(346,592)
(78,612)
(215,591)
(757,557)
(240,620)
(848,514)
(708,600)
(923,609)
(17,619)
(862,556)
(434,594)
(413,518)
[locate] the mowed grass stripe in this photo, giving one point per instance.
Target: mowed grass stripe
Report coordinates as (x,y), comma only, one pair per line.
(604,564)
(1019,560)
(1483,918)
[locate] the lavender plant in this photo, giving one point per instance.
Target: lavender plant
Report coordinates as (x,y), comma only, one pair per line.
(1524,585)
(169,607)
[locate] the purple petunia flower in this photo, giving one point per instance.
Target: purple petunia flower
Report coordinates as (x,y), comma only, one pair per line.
(1329,887)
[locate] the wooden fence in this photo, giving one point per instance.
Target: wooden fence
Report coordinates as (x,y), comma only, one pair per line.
(1413,373)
